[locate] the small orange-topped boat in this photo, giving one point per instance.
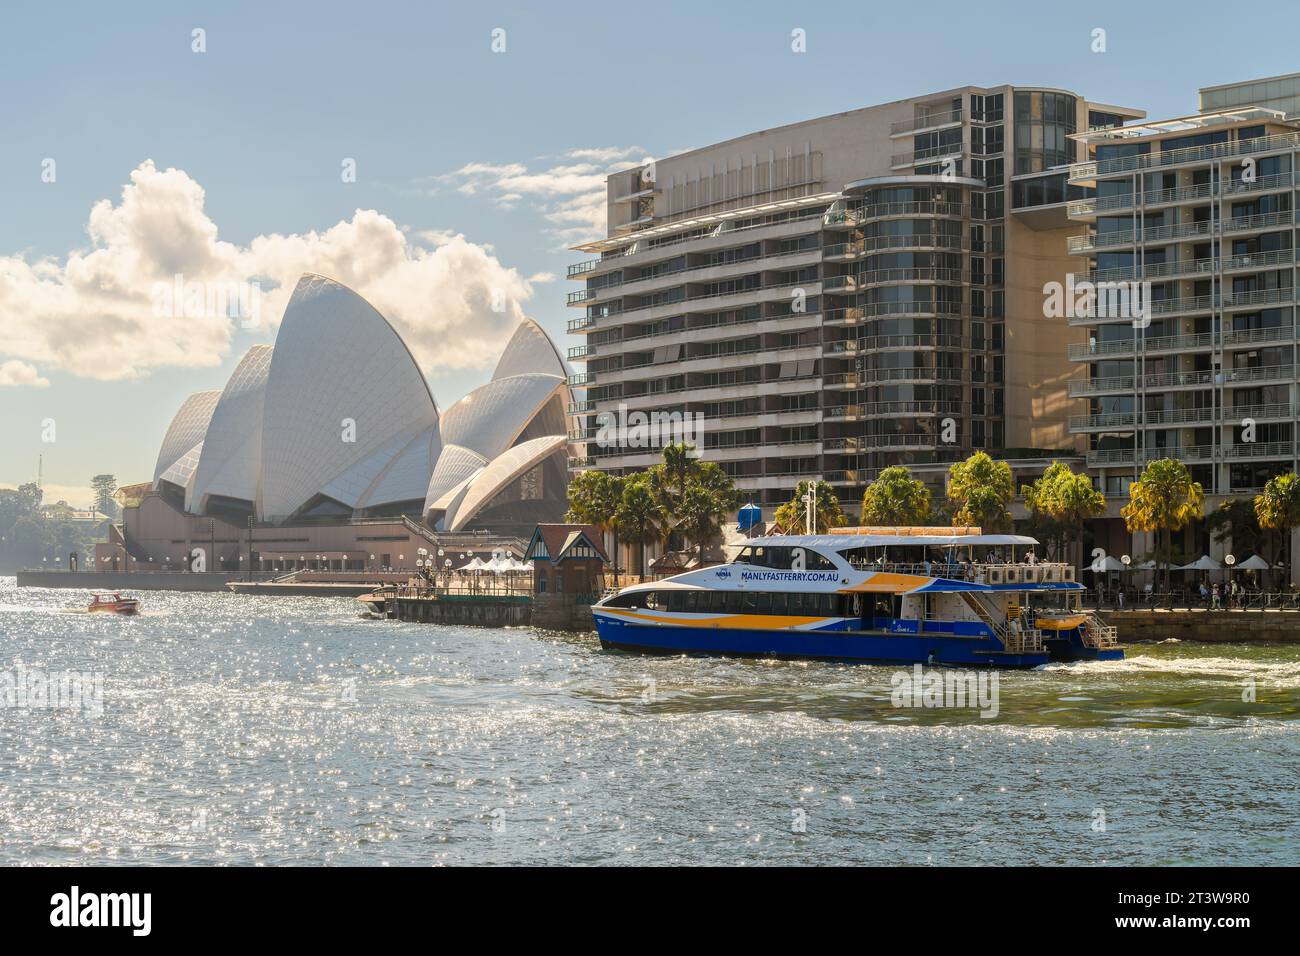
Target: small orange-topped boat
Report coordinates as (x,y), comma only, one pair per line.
(114,602)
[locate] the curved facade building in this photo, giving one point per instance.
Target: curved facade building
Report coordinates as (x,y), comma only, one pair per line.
(336,422)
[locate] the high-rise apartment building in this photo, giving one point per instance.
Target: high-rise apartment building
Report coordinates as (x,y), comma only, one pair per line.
(1202,208)
(845,293)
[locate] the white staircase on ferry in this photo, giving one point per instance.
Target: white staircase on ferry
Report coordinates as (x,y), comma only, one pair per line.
(1014,637)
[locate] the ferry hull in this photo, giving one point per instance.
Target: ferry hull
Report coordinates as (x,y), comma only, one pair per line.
(850,646)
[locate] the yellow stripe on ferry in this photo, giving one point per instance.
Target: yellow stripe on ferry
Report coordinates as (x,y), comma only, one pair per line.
(764,621)
(886,582)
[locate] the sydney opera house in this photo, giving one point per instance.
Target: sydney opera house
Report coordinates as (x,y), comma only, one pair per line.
(328,450)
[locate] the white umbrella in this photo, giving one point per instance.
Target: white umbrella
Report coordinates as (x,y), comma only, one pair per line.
(475,565)
(1254,563)
(1110,563)
(1203,563)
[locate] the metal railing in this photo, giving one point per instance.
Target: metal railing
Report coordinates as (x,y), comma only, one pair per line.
(927,121)
(1190,599)
(1190,154)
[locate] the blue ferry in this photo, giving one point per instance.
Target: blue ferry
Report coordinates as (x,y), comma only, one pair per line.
(941,596)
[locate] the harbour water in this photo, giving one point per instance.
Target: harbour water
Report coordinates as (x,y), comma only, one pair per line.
(246,730)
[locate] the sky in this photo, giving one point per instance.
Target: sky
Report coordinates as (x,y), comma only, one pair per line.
(439,158)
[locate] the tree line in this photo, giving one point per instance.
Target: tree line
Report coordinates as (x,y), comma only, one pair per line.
(693,498)
(32,536)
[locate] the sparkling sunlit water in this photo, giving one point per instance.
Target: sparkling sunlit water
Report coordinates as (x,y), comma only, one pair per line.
(282,730)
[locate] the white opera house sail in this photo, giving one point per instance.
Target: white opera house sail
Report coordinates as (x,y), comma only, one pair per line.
(336,423)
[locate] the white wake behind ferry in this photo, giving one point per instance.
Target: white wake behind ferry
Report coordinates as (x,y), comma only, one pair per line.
(886,595)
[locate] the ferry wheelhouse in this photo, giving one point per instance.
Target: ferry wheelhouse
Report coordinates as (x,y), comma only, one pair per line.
(884,595)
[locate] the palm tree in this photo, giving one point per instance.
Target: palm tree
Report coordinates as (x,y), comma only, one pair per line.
(980,489)
(639,516)
(593,499)
(1235,520)
(1277,508)
(700,515)
(896,498)
(681,463)
(827,512)
(1064,500)
(1163,500)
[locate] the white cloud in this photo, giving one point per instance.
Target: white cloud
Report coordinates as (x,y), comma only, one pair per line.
(570,192)
(18,373)
(93,313)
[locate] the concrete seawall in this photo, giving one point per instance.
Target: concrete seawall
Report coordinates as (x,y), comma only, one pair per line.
(1211,627)
(129,580)
(478,610)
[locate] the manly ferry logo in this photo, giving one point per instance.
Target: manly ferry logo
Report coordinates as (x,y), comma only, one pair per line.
(788,575)
(723,575)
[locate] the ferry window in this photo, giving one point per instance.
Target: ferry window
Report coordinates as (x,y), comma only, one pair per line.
(632,599)
(692,601)
(746,556)
(718,600)
(763,602)
(675,600)
(654,601)
(748,602)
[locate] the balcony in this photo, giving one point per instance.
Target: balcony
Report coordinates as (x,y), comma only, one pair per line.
(890,209)
(1119,384)
(1259,260)
(932,154)
(929,121)
(580,353)
(1092,350)
(841,219)
(1259,373)
(1275,449)
(1268,220)
(1111,456)
(580,324)
(1081,172)
(1262,184)
(1106,421)
(1237,300)
(1188,303)
(1240,337)
(1200,415)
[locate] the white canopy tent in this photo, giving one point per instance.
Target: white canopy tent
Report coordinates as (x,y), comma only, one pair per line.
(1203,563)
(1254,563)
